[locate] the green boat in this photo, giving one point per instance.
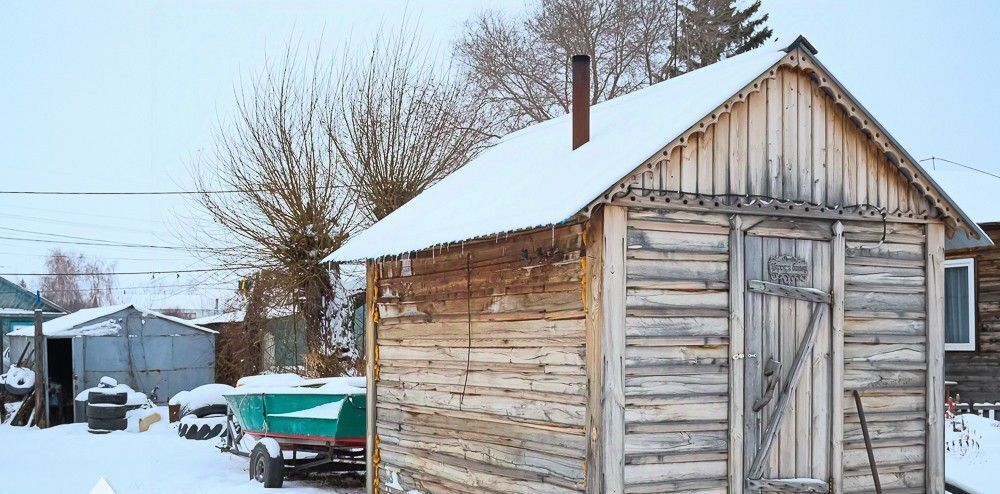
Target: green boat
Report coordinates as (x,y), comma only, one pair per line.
(317,422)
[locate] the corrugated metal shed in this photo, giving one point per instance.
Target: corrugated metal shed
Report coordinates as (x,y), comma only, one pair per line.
(147,350)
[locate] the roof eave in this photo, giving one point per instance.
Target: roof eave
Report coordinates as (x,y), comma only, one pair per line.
(983,240)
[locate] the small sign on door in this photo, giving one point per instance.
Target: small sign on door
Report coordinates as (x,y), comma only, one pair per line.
(787,270)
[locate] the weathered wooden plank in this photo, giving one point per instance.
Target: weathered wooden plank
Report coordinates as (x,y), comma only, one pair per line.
(720,155)
(612,425)
(774,111)
(838,252)
(675,442)
(676,241)
(757,250)
(594,325)
(934,482)
(788,485)
(639,474)
(678,270)
(674,170)
(796,228)
(756,140)
(737,262)
(789,135)
(794,292)
(818,141)
(675,385)
(738,148)
(371,366)
(705,327)
(820,392)
(689,165)
(706,148)
(804,138)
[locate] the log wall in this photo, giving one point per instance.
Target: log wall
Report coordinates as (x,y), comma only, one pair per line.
(676,354)
(885,355)
(976,371)
(502,410)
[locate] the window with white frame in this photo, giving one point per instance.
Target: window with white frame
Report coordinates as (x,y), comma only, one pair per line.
(960,304)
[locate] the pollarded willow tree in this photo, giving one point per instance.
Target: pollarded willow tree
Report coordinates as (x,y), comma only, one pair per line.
(274,191)
(401,120)
(319,149)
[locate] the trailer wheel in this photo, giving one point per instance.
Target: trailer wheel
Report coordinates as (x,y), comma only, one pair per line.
(265,469)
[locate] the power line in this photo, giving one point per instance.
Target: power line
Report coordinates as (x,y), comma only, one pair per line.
(105,244)
(123,288)
(126,273)
(935,159)
(147,192)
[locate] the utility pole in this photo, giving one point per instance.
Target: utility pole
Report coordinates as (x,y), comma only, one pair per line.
(41,396)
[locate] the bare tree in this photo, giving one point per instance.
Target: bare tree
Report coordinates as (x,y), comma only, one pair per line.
(75,281)
(400,120)
(286,209)
(520,64)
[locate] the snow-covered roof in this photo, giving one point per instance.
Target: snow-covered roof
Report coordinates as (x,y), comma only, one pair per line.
(85,318)
(533,177)
(225,317)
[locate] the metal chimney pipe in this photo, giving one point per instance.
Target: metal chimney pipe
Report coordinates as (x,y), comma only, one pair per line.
(581,100)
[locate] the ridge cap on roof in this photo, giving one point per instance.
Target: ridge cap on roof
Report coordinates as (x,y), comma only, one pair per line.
(801,42)
(34,294)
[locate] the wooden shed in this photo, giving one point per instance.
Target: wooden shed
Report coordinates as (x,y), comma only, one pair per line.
(682,304)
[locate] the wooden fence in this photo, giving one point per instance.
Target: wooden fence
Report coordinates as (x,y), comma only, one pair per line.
(988,410)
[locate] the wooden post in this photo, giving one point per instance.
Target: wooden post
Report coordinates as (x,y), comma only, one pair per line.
(737,261)
(839,248)
(41,397)
(371,369)
(612,427)
(935,359)
(594,326)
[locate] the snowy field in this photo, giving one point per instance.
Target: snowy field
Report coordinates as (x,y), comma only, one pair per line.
(972,457)
(69,460)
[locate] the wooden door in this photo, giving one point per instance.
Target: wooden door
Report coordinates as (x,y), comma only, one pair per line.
(787,408)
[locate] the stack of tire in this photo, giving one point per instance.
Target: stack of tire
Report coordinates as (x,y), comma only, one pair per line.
(106,411)
(202,411)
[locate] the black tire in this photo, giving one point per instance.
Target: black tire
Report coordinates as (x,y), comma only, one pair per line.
(182,430)
(97,398)
(96,431)
(106,411)
(202,433)
(266,470)
(206,410)
(192,432)
(215,431)
(107,424)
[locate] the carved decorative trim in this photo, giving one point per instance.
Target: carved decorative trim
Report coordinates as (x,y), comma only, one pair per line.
(799,60)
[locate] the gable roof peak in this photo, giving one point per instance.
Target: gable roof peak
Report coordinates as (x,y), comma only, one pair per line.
(801,42)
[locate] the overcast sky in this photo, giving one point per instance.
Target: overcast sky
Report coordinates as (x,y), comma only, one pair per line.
(125,95)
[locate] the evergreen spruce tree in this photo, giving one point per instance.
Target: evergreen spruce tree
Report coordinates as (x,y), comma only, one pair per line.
(710,30)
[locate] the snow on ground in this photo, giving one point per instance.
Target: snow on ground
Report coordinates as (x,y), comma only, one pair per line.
(972,456)
(67,459)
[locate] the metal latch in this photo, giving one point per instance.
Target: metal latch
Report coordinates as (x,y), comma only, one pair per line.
(741,356)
